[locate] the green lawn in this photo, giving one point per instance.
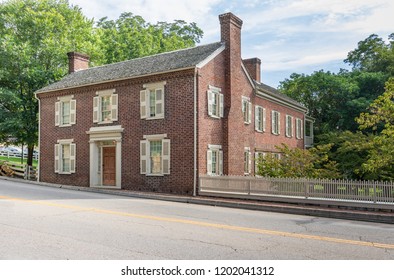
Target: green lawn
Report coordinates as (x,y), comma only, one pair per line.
(17,160)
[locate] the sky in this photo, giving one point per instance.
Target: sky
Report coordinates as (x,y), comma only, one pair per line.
(289,36)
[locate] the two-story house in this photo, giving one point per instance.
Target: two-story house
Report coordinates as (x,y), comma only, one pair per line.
(156,123)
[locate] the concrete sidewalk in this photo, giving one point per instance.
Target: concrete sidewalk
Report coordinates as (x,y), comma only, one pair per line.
(318,211)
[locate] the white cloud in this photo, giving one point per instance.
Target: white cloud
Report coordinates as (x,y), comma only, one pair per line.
(285,34)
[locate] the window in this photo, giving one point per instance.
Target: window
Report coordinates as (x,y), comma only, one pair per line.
(260,118)
(299,129)
(247,161)
(215,102)
(65,111)
(275,122)
(258,156)
(246,109)
(65,157)
(289,126)
(152,101)
(214,160)
(308,129)
(155,155)
(105,106)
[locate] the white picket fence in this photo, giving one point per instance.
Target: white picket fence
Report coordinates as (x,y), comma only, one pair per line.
(313,191)
(16,155)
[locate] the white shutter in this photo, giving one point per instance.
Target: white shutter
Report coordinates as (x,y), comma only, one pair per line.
(73,111)
(250,112)
(287,126)
(278,123)
(302,130)
(256,118)
(264,119)
(210,96)
(273,123)
(96,101)
(250,163)
(57,157)
(166,156)
(114,107)
(221,104)
(220,162)
(159,103)
(256,163)
(143,156)
(209,162)
(57,113)
(143,104)
(72,157)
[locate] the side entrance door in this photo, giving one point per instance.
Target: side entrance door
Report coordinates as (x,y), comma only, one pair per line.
(109,166)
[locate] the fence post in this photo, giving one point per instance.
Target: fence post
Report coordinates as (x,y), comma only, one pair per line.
(374,192)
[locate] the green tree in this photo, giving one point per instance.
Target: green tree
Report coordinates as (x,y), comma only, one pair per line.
(373,55)
(327,96)
(349,150)
(34,39)
(130,36)
(299,163)
(380,160)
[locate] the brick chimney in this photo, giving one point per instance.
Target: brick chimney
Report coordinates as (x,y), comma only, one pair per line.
(253,65)
(77,61)
(230,31)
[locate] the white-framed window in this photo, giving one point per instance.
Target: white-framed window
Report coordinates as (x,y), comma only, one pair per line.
(214,160)
(215,102)
(257,157)
(289,126)
(299,129)
(105,106)
(275,122)
(65,111)
(152,101)
(260,118)
(65,156)
(155,155)
(246,110)
(247,161)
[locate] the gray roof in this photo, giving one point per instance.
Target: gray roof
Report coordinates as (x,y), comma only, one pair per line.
(277,94)
(159,63)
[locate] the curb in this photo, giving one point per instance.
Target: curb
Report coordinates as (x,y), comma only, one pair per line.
(358,215)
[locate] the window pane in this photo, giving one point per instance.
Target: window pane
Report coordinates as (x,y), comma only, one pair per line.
(106,108)
(155,156)
(65,112)
(214,162)
(246,162)
(308,126)
(66,158)
(152,103)
(215,103)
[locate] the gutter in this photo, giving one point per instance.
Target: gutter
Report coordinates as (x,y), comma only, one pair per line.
(195,181)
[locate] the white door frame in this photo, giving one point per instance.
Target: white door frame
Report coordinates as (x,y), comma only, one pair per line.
(97,136)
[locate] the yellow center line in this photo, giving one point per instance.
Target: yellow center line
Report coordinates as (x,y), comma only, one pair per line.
(205,224)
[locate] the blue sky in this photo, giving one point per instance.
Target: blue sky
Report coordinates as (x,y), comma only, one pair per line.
(289,36)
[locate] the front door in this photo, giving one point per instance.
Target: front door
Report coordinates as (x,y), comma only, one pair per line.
(109,166)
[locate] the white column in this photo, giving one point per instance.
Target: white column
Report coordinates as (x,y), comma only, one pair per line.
(119,163)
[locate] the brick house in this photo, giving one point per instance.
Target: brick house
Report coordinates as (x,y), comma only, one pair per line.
(156,123)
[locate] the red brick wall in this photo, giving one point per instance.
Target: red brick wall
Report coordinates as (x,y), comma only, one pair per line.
(177,124)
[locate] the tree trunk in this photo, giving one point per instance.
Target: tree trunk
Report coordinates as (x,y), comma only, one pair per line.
(30,150)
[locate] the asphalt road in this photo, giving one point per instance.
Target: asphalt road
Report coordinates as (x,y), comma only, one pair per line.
(38,222)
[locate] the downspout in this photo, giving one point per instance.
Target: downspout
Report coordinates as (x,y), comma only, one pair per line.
(39,137)
(195,134)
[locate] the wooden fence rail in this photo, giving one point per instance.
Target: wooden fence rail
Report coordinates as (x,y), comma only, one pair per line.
(12,169)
